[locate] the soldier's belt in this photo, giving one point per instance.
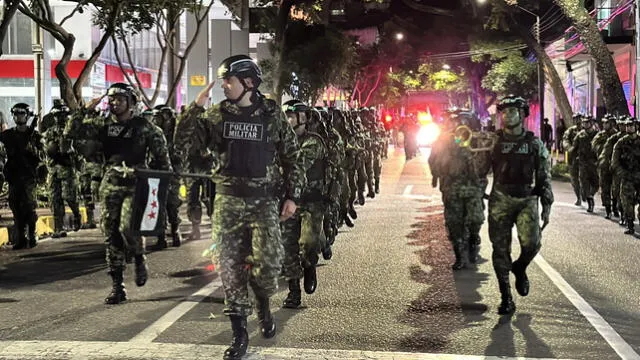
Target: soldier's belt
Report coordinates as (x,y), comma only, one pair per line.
(247,191)
(515,190)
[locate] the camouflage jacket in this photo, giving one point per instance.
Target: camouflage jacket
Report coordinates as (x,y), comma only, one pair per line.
(600,140)
(604,160)
(57,152)
(204,133)
(568,139)
(625,161)
(583,149)
(96,131)
(314,161)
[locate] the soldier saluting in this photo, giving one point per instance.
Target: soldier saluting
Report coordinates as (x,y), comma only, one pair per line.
(258,152)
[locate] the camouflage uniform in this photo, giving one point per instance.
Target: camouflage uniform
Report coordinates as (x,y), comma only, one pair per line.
(247,247)
(381,146)
(63,180)
(136,143)
(568,142)
(587,164)
(605,159)
(626,163)
(90,178)
(604,172)
(25,156)
(521,175)
(337,181)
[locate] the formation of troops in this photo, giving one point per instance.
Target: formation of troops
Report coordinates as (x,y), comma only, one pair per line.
(605,156)
(460,161)
(277,184)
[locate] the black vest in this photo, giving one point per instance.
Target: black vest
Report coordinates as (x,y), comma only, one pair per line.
(515,164)
(122,142)
(246,144)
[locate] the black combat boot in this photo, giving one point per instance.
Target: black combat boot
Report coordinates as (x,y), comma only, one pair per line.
(31,233)
(294,298)
(176,236)
(614,206)
(630,227)
(141,270)
(507,306)
(578,202)
(461,253)
(378,186)
(522,281)
(361,198)
(58,228)
(118,292)
(327,253)
(607,209)
(310,279)
(195,232)
(591,204)
(474,249)
(352,212)
(240,340)
(162,242)
(19,239)
(265,320)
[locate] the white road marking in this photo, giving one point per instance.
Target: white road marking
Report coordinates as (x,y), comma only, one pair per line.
(159,326)
(624,350)
(407,190)
(44,350)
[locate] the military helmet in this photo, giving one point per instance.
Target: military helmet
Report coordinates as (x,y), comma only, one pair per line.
(163,108)
(295,106)
(587,118)
(514,101)
(240,66)
(608,118)
(21,108)
(124,89)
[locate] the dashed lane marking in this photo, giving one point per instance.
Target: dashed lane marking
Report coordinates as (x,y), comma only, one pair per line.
(44,350)
(159,326)
(624,350)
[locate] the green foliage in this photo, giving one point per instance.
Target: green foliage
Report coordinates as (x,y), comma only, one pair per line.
(512,75)
(560,171)
(319,56)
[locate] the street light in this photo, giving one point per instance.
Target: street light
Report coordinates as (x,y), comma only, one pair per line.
(399,36)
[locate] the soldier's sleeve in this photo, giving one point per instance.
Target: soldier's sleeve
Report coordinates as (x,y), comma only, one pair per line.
(288,153)
(543,175)
(81,126)
(597,142)
(566,143)
(157,148)
(615,157)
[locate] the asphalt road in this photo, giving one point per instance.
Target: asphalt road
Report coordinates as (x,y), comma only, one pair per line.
(388,293)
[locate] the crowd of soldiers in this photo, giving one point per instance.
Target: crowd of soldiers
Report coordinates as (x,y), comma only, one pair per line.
(605,155)
(460,161)
(277,185)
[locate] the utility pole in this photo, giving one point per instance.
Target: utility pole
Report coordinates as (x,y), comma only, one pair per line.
(37,48)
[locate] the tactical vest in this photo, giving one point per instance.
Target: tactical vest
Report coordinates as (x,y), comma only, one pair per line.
(247,143)
(121,142)
(515,164)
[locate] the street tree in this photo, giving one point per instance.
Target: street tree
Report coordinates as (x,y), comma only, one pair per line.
(9,9)
(104,11)
(164,15)
(589,33)
(512,75)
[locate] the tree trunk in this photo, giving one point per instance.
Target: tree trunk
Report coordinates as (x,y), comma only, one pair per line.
(551,73)
(612,92)
(173,29)
(66,85)
(10,10)
(479,95)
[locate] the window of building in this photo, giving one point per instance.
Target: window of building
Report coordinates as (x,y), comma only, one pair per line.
(18,41)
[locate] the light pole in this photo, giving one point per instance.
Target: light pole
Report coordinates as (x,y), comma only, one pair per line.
(540,67)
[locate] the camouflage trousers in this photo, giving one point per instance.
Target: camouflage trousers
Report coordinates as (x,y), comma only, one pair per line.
(23,203)
(353,185)
(574,172)
(173,204)
(63,185)
(303,237)
(361,172)
(615,191)
(606,184)
(463,215)
(588,180)
(368,167)
(629,190)
(90,186)
(377,167)
(504,212)
(247,249)
(199,191)
(116,203)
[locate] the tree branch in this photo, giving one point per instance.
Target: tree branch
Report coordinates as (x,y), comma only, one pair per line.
(70,14)
(122,68)
(11,8)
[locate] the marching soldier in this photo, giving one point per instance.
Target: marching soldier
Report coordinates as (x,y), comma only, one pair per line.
(127,142)
(521,173)
(604,171)
(587,161)
(568,142)
(626,163)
